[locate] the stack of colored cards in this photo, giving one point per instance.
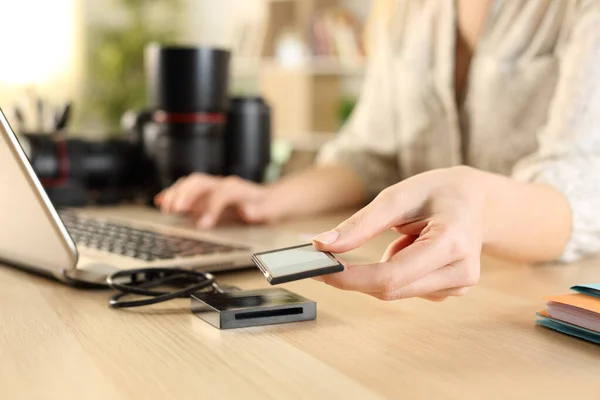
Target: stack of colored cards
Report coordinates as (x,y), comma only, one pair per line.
(576,314)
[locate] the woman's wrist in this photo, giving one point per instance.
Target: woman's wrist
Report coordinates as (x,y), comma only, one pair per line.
(313,191)
(274,202)
(473,185)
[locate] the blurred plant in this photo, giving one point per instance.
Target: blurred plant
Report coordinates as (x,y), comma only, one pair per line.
(347,105)
(116,58)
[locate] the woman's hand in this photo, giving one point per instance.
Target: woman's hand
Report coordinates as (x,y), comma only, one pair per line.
(207,198)
(439,216)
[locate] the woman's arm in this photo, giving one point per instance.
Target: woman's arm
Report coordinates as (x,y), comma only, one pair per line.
(206,198)
(525,222)
(314,191)
(568,156)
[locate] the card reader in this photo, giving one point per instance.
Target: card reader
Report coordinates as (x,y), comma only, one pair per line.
(245,308)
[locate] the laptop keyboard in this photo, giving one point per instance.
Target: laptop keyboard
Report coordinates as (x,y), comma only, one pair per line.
(136,243)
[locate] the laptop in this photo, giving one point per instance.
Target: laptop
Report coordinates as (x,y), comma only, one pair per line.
(83,246)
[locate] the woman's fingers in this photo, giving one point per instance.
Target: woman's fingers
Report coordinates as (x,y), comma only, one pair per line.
(185,194)
(398,245)
(439,259)
(443,282)
(191,191)
(403,268)
(159,198)
(169,195)
(378,216)
(230,191)
(206,197)
(180,196)
(442,295)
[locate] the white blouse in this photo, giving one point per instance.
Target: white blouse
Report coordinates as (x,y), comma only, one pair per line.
(531,108)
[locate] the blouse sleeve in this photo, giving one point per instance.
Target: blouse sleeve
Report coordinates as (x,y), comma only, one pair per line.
(568,156)
(366,143)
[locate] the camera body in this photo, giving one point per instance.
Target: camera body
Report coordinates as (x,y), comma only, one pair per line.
(76,172)
(151,156)
(191,125)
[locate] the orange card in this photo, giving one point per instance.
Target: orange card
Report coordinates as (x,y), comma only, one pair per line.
(577,300)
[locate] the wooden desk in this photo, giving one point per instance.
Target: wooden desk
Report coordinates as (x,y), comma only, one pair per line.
(59,342)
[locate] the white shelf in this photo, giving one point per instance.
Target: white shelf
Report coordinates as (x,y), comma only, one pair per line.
(318,66)
(315,66)
(245,67)
(305,141)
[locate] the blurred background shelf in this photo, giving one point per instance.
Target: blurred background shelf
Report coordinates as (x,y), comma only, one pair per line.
(315,66)
(306,57)
(309,63)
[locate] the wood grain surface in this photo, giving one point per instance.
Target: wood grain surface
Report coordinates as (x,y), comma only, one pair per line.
(57,342)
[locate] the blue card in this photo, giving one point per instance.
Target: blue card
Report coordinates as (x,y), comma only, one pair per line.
(590,290)
(569,329)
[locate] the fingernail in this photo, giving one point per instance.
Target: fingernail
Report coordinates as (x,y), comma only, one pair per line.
(327,237)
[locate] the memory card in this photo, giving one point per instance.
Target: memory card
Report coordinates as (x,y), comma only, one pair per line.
(296,262)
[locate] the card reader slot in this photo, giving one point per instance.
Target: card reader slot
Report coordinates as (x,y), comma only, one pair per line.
(269,313)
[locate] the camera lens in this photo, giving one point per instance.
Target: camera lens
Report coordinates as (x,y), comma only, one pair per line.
(181,149)
(188,91)
(248,138)
(187,79)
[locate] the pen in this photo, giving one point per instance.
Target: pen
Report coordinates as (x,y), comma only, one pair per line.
(40,114)
(63,120)
(57,114)
(20,119)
